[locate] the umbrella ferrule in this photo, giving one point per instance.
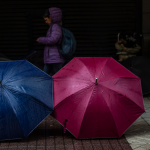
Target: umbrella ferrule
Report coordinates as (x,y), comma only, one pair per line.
(96,81)
(65,125)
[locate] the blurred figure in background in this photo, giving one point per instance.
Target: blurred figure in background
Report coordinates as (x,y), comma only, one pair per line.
(126,46)
(53,60)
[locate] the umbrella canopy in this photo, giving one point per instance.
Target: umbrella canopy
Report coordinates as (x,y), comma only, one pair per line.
(25,98)
(96,97)
(139,65)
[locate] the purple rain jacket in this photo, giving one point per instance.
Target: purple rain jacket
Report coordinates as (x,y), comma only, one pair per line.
(51,53)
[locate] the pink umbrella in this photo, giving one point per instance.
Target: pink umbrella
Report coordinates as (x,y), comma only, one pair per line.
(96,97)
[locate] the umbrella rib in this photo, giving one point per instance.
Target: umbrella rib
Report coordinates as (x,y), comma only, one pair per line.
(109,110)
(104,66)
(13,68)
(119,77)
(29,77)
(111,116)
(79,103)
(84,113)
(72,95)
(21,72)
(113,78)
(73,77)
(85,66)
(121,94)
(13,110)
(3,72)
(27,95)
(64,78)
(122,109)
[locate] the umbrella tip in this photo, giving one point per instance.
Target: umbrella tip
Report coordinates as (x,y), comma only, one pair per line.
(96,81)
(65,125)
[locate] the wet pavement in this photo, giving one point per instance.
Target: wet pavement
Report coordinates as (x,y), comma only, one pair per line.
(138,135)
(49,136)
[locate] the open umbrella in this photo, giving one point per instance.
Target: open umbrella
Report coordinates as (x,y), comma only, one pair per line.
(25,98)
(96,97)
(139,65)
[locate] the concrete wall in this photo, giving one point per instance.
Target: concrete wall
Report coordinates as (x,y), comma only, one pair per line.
(146,27)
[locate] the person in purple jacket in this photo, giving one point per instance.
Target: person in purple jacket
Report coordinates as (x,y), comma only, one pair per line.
(53,60)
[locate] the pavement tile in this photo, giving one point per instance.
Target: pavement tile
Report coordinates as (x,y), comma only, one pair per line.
(49,135)
(78,147)
(146,146)
(32,139)
(60,147)
(68,140)
(4,144)
(69,147)
(40,148)
(115,144)
(124,144)
(87,144)
(105,144)
(135,145)
(59,141)
(50,141)
(22,148)
(12,148)
(77,142)
(13,143)
(140,148)
(41,142)
(95,141)
(32,148)
(23,142)
(59,134)
(50,148)
(96,144)
(146,115)
(41,138)
(147,120)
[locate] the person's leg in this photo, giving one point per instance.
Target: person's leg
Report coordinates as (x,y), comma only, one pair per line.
(57,67)
(47,68)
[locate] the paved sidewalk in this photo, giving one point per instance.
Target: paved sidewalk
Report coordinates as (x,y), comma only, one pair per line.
(49,136)
(138,135)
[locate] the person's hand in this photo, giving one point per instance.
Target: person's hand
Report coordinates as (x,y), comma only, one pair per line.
(119,42)
(37,40)
(124,49)
(123,53)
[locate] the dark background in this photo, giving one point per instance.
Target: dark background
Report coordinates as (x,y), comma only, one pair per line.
(95,24)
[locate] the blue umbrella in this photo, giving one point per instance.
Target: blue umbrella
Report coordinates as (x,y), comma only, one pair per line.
(25,98)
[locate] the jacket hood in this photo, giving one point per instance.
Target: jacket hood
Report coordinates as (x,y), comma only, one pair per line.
(56,14)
